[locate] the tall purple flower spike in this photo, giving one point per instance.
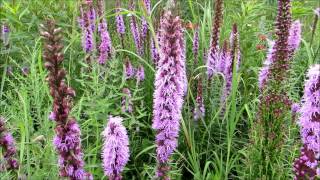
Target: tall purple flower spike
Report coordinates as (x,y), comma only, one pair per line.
(145,26)
(293,43)
(129,69)
(115,152)
(105,46)
(154,51)
(9,149)
(87,24)
(121,28)
(213,53)
(140,74)
(67,140)
(169,90)
(308,164)
(195,46)
(135,30)
(126,101)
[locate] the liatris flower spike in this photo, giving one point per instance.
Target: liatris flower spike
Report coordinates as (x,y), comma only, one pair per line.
(145,26)
(169,90)
(9,150)
(115,152)
(105,46)
(213,54)
(308,164)
(121,28)
(87,24)
(135,30)
(67,140)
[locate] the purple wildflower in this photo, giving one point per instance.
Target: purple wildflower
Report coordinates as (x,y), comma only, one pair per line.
(5,34)
(121,28)
(67,140)
(115,153)
(310,111)
(199,110)
(294,38)
(135,30)
(145,26)
(87,23)
(154,51)
(129,69)
(213,54)
(195,46)
(9,150)
(105,44)
(169,90)
(126,101)
(305,167)
(295,107)
(140,74)
(235,45)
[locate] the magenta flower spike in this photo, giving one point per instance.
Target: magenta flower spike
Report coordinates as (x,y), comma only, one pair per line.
(121,28)
(294,38)
(307,165)
(67,139)
(169,90)
(105,46)
(115,152)
(7,143)
(145,26)
(87,24)
(213,54)
(140,74)
(135,30)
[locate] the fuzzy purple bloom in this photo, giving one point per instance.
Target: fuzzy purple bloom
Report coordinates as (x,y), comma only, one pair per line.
(154,51)
(195,45)
(87,24)
(129,69)
(213,54)
(126,101)
(169,90)
(121,28)
(140,74)
(135,30)
(115,153)
(105,46)
(145,26)
(7,142)
(294,38)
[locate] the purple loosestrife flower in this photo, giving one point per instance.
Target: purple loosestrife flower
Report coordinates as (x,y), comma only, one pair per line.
(105,41)
(5,32)
(126,101)
(129,69)
(213,55)
(195,45)
(294,38)
(154,51)
(145,26)
(135,30)
(169,90)
(115,153)
(67,140)
(140,74)
(199,110)
(121,28)
(9,150)
(307,165)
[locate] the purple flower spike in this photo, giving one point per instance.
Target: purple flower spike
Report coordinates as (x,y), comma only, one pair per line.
(294,38)
(129,69)
(9,150)
(115,153)
(145,26)
(105,41)
(154,51)
(140,74)
(213,54)
(309,122)
(67,140)
(195,45)
(121,28)
(87,24)
(235,46)
(135,30)
(126,101)
(169,90)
